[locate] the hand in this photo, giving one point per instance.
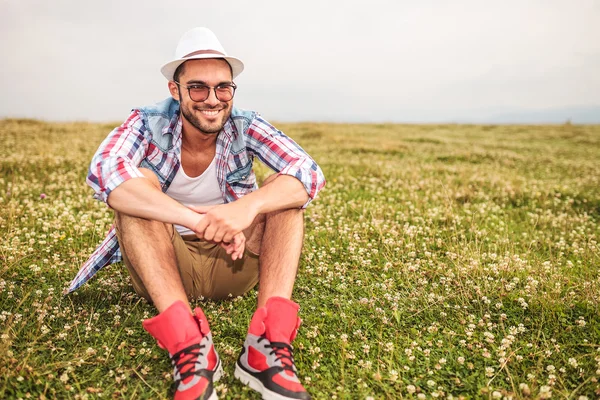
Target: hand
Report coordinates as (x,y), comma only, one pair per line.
(235,248)
(223,222)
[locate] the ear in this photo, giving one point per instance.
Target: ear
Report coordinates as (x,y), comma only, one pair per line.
(174,90)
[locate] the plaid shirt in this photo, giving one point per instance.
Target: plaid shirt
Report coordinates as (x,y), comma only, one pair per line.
(151,138)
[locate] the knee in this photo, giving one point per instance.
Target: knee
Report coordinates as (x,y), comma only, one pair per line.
(293,214)
(151,176)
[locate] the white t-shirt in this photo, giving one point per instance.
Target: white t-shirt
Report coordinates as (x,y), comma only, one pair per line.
(202,190)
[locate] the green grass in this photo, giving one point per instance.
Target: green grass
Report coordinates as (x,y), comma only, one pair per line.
(440,260)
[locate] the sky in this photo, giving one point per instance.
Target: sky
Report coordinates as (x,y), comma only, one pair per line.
(339,61)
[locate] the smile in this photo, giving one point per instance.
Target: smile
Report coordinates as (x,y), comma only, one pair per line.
(210,113)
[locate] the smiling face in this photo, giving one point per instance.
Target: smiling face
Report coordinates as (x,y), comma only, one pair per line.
(210,115)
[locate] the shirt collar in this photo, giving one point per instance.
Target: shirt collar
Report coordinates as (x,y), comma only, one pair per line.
(174,125)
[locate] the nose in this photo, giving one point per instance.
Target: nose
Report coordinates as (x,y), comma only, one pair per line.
(212,98)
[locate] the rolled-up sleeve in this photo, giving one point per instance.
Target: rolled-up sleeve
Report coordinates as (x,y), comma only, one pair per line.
(118,157)
(285,156)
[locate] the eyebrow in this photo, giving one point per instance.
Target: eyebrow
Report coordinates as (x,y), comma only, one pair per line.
(199,82)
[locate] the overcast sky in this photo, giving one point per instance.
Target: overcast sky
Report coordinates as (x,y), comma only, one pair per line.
(311,60)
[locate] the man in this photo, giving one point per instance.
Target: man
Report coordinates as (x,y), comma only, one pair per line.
(190,220)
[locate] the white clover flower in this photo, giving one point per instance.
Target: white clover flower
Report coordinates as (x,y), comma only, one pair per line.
(545,392)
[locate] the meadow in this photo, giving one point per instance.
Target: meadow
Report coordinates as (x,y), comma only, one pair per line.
(440,261)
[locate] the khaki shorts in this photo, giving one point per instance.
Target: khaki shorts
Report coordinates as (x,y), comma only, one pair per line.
(206,269)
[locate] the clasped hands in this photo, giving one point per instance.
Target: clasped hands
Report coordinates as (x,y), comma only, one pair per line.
(224,224)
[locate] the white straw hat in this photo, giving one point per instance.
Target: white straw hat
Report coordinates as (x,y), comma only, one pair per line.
(196,44)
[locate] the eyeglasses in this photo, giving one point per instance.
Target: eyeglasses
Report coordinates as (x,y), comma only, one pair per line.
(199,93)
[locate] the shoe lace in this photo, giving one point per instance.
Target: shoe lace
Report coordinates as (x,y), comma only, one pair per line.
(283,352)
(185,359)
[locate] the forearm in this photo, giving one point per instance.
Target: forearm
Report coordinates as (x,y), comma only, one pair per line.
(140,198)
(284,192)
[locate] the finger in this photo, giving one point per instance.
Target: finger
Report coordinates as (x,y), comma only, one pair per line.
(209,233)
(239,240)
(239,252)
(218,237)
(228,237)
(228,247)
(200,228)
(239,245)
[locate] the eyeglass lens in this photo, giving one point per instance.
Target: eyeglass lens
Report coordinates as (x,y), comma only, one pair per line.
(201,93)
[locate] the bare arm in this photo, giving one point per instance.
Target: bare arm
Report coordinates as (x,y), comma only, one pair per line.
(282,193)
(139,197)
(221,222)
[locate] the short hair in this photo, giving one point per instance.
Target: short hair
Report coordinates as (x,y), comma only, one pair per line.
(181,69)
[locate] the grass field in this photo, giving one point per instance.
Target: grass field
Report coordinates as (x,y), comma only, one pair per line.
(440,261)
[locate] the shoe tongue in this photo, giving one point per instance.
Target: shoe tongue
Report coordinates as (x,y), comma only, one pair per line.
(174,328)
(282,316)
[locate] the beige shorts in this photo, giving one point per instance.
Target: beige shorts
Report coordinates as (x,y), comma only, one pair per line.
(206,269)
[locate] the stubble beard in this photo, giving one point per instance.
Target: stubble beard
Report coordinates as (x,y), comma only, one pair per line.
(212,128)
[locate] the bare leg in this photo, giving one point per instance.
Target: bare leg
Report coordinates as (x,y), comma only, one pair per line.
(150,251)
(279,236)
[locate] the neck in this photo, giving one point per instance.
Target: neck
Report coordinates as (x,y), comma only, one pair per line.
(194,140)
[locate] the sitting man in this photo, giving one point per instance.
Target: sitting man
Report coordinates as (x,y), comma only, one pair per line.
(194,223)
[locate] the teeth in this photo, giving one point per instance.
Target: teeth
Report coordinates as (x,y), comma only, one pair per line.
(208,112)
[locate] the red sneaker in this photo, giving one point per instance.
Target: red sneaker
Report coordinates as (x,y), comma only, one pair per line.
(266,363)
(188,339)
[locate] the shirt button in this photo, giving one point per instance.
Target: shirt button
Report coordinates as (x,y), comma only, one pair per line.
(244,177)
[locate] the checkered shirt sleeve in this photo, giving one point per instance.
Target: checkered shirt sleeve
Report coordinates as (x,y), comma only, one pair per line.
(118,156)
(282,154)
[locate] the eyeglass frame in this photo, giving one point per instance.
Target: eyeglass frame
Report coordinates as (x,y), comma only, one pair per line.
(214,88)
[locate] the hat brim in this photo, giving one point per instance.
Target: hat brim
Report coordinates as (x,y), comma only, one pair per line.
(237,66)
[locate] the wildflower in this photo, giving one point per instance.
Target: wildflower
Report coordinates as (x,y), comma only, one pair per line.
(573,362)
(525,389)
(545,392)
(411,389)
(42,196)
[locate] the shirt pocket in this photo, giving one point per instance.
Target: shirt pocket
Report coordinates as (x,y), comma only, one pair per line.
(240,177)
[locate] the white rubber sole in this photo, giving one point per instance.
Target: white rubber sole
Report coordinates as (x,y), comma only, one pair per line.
(256,384)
